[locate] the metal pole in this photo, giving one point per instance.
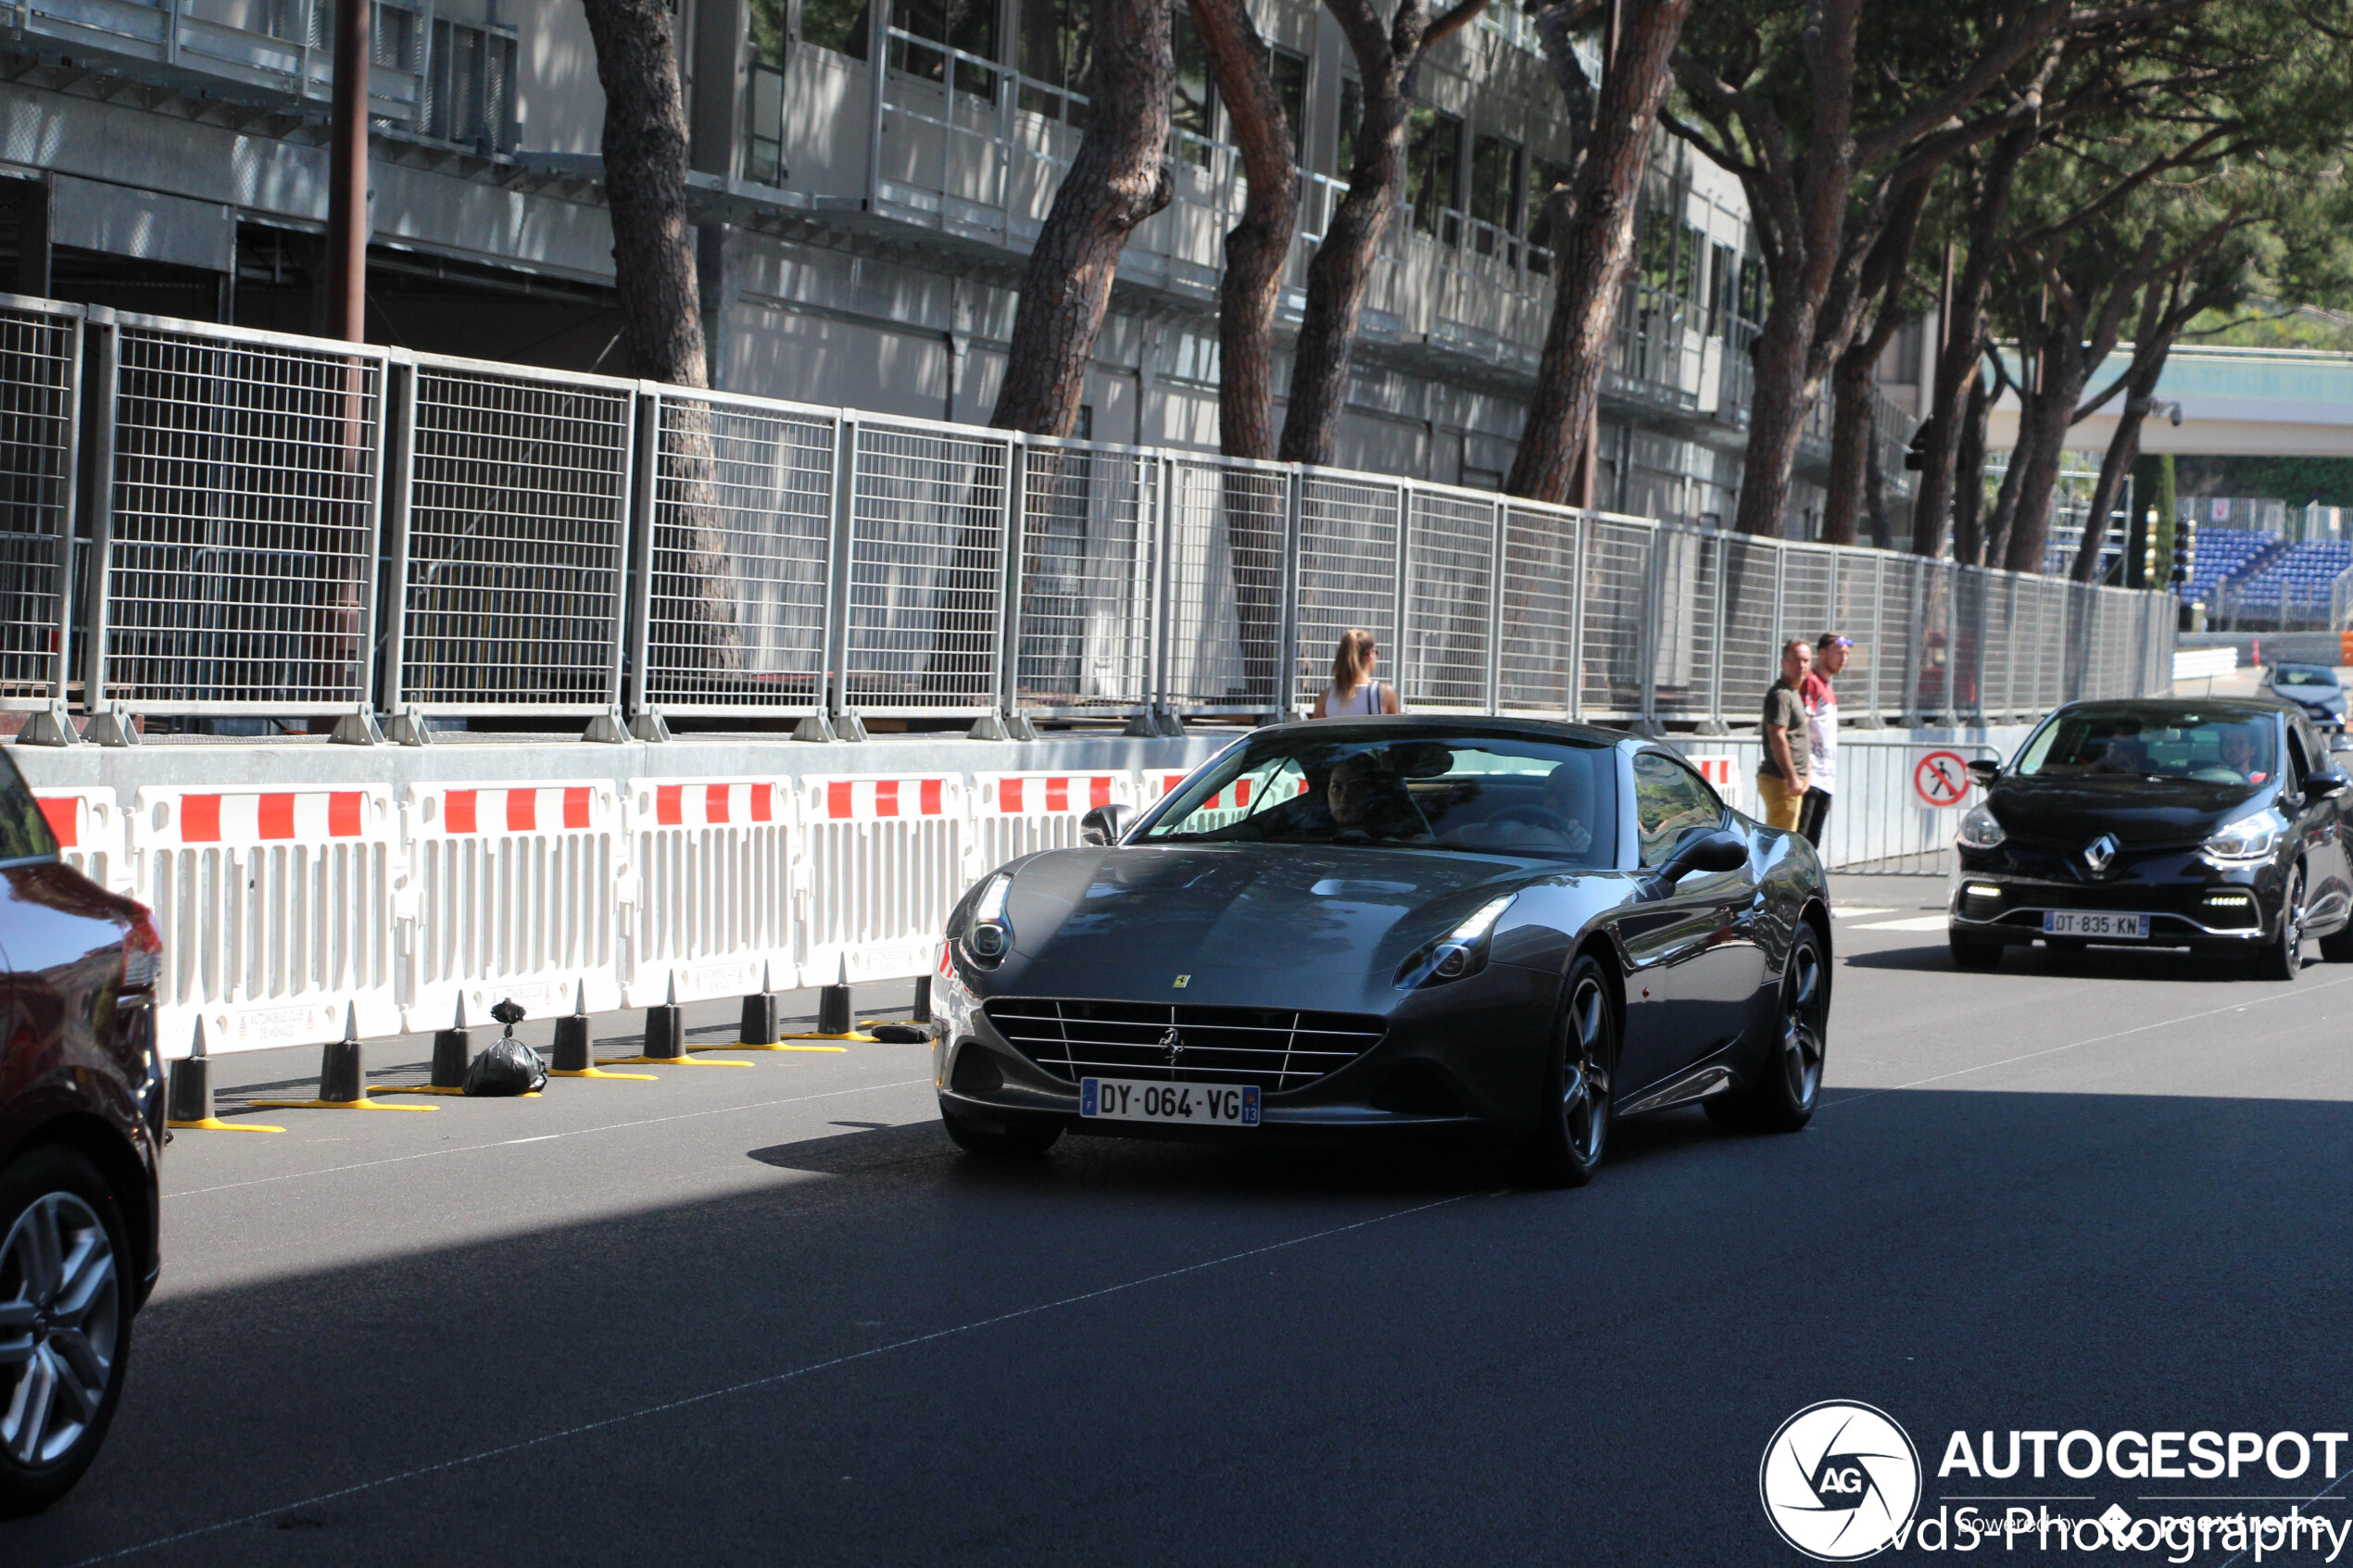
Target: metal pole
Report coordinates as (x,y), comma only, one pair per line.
(839,564)
(347,178)
(1404,590)
(646,505)
(1497,561)
(69,510)
(102,444)
(400,439)
(1579,526)
(1294,527)
(1016,531)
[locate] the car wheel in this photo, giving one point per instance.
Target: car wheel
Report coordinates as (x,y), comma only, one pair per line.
(65,1323)
(1011,1140)
(1572,1128)
(1975,955)
(1782,1098)
(2283,957)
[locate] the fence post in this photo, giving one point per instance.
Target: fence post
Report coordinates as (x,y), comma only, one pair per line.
(107,726)
(644,503)
(1495,564)
(401,442)
(1646,646)
(1294,527)
(1873,711)
(1581,527)
(1008,639)
(53,728)
(1712,546)
(845,723)
(1407,639)
(1164,481)
(359,727)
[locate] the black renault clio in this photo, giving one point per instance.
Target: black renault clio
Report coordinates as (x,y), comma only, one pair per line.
(2213,825)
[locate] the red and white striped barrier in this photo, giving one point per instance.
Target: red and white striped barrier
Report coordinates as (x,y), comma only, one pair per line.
(275,907)
(510,891)
(883,858)
(1017,814)
(1720,769)
(714,908)
(91,834)
(1231,804)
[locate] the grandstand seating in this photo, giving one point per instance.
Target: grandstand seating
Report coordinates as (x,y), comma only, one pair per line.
(2227,555)
(2300,575)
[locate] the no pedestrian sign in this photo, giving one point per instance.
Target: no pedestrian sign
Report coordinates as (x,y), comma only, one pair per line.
(1941,778)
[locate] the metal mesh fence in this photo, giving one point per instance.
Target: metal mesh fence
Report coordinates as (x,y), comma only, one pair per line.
(1223,621)
(1615,583)
(736,559)
(1968,691)
(518,496)
(1805,592)
(1684,627)
(1450,593)
(1899,641)
(40,379)
(1997,647)
(926,569)
(240,525)
(1089,554)
(1933,629)
(1752,660)
(1857,614)
(1347,571)
(1537,628)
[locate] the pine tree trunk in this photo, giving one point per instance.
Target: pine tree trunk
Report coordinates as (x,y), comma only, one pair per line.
(1118,180)
(1851,455)
(1777,418)
(1259,243)
(1594,250)
(1963,341)
(1969,475)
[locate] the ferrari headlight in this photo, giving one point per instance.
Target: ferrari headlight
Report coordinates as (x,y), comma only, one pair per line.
(1978,830)
(2252,837)
(989,938)
(1460,952)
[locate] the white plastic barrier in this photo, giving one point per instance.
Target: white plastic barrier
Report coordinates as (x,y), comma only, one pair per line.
(714,911)
(2204,664)
(275,910)
(90,834)
(512,891)
(1017,814)
(1722,770)
(884,859)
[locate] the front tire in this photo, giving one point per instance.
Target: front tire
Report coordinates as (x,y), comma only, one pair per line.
(2283,957)
(65,1322)
(1782,1098)
(1968,954)
(1572,1129)
(1010,1140)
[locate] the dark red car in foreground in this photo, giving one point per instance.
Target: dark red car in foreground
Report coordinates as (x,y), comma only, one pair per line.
(81,1098)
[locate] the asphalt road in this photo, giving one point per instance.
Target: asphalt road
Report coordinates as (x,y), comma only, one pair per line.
(769,1315)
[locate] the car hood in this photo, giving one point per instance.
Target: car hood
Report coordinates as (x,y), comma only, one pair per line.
(2142,813)
(2330,698)
(1300,909)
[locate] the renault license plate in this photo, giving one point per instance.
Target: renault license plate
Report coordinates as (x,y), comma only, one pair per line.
(1203,1105)
(2098,924)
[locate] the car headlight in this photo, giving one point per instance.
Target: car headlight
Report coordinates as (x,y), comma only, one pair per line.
(1978,830)
(2250,837)
(1459,953)
(988,937)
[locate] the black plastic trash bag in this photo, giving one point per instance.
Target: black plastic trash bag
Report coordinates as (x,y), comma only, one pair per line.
(899,1033)
(508,1067)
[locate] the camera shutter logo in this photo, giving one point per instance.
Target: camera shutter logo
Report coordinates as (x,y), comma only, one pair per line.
(1839,1481)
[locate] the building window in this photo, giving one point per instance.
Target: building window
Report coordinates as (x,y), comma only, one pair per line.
(1351,116)
(469,88)
(1192,110)
(842,26)
(1543,176)
(1723,299)
(1496,165)
(1057,51)
(1433,170)
(765,105)
(968,27)
(1289,70)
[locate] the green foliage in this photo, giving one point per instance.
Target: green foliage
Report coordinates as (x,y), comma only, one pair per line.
(2294,479)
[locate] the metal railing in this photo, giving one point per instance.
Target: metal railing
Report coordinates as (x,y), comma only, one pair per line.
(553,544)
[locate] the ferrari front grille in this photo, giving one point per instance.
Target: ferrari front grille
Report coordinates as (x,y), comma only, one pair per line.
(1277,1049)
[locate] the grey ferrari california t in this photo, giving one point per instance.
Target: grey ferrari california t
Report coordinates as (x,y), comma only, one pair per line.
(1514,930)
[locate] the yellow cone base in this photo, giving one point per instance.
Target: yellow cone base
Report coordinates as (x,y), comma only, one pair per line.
(362,1104)
(215,1125)
(593,1072)
(747,1045)
(668,1061)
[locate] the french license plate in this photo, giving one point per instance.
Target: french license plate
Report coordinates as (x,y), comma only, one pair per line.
(2096,923)
(1206,1105)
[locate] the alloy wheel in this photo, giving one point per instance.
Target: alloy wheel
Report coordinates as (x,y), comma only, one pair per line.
(60,1327)
(1804,1016)
(1585,1083)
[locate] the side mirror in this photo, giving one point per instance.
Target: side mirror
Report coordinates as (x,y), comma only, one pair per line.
(1982,773)
(1105,824)
(2326,783)
(1711,849)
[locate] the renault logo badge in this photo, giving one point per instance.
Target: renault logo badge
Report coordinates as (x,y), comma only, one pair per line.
(2100,851)
(1173,1044)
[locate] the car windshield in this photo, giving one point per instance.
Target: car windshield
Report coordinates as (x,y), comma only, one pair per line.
(1482,793)
(2137,743)
(2304,675)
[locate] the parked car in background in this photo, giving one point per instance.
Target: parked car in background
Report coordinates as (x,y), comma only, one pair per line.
(2211,824)
(81,1098)
(2313,688)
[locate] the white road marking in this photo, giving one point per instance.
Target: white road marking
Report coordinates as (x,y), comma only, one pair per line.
(771,1379)
(1910,923)
(1841,912)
